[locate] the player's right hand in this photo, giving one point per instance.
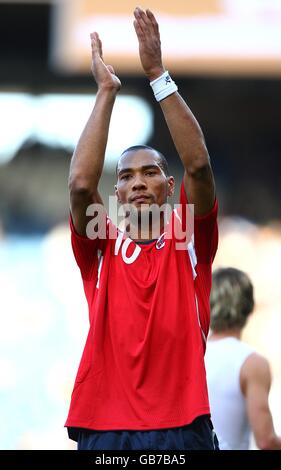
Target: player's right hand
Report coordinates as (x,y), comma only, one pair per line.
(104,74)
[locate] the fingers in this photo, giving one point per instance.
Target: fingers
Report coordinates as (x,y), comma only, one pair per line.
(146,20)
(96,44)
(140,20)
(111,69)
(138,30)
(152,18)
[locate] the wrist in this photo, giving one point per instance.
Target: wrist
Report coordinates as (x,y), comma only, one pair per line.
(108,89)
(163,86)
(155,73)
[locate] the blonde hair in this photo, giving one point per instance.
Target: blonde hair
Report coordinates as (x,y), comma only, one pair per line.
(232,299)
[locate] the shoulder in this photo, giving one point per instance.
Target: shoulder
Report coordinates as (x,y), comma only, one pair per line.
(255,370)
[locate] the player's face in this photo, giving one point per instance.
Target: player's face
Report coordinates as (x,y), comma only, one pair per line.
(141,180)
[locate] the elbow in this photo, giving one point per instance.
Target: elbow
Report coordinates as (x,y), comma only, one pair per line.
(199,163)
(79,185)
(266,442)
(199,167)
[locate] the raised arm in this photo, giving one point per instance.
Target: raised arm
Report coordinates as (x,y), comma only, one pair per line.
(255,379)
(184,129)
(88,158)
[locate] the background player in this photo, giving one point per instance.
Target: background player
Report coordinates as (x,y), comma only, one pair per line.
(238,378)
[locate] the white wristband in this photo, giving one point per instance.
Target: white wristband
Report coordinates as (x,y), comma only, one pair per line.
(163,86)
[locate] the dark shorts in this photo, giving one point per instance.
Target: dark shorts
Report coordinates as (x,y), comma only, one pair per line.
(199,435)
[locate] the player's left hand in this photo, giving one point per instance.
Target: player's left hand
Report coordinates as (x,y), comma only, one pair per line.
(148,35)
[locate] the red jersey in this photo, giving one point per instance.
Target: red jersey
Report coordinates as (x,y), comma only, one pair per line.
(143,363)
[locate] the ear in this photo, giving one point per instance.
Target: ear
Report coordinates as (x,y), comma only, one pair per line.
(171,186)
(116,193)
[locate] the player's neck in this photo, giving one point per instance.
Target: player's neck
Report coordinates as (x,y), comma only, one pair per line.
(231,333)
(141,232)
(142,235)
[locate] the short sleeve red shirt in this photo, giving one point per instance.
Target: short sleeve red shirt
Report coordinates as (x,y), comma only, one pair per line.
(142,367)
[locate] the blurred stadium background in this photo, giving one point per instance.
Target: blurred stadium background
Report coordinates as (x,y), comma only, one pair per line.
(226,58)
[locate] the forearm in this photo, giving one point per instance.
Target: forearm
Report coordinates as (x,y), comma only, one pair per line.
(255,381)
(264,432)
(88,158)
(186,133)
(275,443)
(269,442)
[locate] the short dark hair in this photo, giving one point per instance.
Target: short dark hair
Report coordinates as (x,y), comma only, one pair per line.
(162,160)
(232,299)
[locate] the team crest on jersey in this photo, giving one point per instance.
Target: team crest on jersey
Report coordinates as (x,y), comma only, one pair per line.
(160,242)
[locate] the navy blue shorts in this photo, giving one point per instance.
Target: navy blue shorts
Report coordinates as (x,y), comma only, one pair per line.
(199,435)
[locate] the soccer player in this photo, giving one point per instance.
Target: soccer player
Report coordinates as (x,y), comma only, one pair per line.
(239,379)
(141,382)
